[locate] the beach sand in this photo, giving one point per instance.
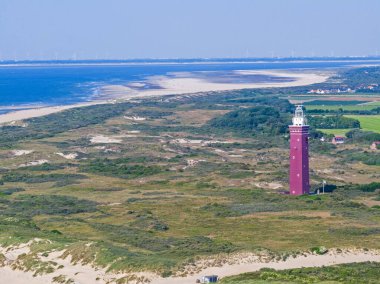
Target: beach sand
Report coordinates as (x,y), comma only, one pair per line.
(173,86)
(192,84)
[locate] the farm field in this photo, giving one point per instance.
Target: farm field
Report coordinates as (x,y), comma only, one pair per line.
(332,100)
(337,104)
(368,122)
(366,106)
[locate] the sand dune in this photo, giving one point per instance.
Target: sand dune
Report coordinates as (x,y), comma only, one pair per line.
(221,266)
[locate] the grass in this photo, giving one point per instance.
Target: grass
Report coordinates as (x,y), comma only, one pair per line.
(368,122)
(360,106)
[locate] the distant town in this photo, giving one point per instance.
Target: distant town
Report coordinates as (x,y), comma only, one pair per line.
(347,90)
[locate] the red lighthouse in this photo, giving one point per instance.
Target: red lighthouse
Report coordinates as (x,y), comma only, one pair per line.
(299,154)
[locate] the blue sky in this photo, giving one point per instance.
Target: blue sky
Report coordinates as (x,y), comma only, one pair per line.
(82,29)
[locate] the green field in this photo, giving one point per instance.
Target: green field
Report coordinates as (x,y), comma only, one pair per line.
(366,106)
(368,122)
(337,107)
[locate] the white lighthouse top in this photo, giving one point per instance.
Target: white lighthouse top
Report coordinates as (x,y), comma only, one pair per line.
(299,118)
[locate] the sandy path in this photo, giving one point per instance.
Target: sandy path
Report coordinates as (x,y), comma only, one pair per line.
(172,86)
(85,274)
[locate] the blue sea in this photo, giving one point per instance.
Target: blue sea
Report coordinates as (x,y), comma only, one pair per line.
(57,84)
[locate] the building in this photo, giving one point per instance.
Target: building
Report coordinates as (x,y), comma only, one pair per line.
(299,154)
(338,140)
(375,145)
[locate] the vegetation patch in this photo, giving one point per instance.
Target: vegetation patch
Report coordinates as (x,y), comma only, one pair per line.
(32,205)
(60,179)
(361,273)
(47,126)
(121,168)
(333,122)
(263,119)
(11,190)
(367,158)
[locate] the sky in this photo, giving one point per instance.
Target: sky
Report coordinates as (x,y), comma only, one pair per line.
(127,29)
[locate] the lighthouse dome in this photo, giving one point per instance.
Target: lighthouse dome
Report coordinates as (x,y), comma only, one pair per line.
(299,118)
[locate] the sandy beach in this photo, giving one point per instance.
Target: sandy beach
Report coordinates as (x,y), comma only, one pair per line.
(185,83)
(173,85)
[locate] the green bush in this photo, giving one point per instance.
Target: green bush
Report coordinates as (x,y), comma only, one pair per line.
(319,250)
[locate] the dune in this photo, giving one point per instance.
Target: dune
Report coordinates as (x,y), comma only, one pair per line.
(221,265)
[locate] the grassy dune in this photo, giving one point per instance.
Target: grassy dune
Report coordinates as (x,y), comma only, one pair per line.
(167,190)
(345,273)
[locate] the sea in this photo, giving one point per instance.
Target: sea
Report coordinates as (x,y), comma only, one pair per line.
(48,83)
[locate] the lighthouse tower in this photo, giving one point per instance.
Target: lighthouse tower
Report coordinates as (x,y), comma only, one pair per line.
(299,154)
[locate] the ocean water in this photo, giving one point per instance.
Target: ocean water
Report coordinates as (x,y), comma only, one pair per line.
(53,84)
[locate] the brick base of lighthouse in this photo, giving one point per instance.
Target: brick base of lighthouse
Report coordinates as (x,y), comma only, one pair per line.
(299,160)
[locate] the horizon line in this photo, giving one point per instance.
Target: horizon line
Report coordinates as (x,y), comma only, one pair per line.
(190,60)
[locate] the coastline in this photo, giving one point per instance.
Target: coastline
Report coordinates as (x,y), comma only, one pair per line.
(172,86)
